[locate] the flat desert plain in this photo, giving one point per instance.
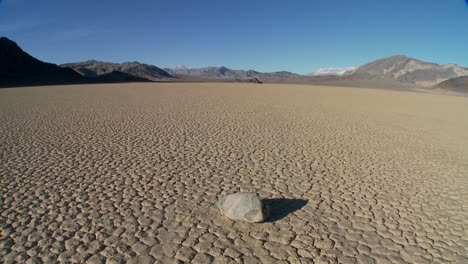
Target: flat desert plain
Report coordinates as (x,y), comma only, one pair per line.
(132,172)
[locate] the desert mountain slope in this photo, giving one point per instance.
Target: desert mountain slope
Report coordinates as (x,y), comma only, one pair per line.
(458,84)
(410,70)
(93,68)
(18,68)
(119,77)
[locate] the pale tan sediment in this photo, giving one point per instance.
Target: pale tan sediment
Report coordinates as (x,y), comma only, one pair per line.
(110,173)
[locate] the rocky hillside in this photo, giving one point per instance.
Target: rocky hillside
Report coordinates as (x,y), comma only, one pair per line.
(118,77)
(409,70)
(18,68)
(459,84)
(93,68)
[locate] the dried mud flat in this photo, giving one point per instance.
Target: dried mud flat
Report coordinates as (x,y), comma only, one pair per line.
(131,172)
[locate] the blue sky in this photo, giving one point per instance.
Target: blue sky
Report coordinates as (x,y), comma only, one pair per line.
(298,36)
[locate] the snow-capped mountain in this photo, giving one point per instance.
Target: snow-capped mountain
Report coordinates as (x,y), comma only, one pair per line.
(333,71)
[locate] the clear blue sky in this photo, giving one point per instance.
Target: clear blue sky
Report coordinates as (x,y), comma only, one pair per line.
(298,36)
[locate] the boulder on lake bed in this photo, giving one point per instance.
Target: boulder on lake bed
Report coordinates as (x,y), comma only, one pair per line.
(244,207)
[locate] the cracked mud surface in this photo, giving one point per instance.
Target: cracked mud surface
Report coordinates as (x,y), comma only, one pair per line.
(131,172)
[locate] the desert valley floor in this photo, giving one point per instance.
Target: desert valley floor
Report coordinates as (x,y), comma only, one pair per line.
(132,172)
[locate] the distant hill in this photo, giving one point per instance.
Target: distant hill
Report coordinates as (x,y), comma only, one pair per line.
(18,68)
(93,68)
(225,74)
(458,84)
(118,77)
(409,70)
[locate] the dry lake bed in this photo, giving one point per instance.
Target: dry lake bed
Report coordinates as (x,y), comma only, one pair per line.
(130,173)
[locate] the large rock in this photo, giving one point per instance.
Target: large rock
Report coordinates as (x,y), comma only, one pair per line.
(243,206)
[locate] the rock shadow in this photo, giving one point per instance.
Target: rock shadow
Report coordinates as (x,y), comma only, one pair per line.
(282,207)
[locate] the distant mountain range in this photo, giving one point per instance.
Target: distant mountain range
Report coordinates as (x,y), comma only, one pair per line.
(93,68)
(223,73)
(18,68)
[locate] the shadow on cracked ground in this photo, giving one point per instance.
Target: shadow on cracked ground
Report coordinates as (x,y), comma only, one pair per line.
(282,207)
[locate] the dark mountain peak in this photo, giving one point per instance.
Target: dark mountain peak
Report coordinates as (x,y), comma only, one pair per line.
(7,41)
(223,69)
(213,68)
(18,68)
(14,59)
(9,46)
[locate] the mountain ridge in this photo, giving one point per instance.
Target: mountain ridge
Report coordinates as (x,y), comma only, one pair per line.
(406,69)
(224,73)
(18,68)
(95,68)
(458,84)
